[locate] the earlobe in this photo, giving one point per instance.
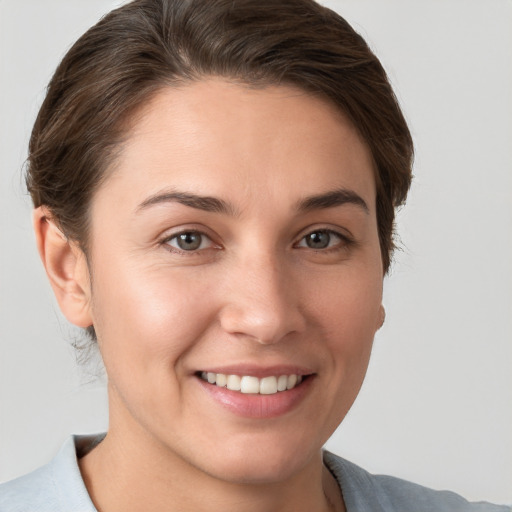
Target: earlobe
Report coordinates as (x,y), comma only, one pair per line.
(382,317)
(66,268)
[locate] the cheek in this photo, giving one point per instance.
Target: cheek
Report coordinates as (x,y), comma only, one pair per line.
(147,315)
(348,309)
(147,322)
(350,300)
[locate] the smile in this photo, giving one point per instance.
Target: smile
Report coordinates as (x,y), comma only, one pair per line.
(253,385)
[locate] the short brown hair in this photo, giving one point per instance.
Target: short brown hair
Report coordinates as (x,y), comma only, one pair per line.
(146,45)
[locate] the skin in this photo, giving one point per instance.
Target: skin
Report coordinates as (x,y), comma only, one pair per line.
(253,293)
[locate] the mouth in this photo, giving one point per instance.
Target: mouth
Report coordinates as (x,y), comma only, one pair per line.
(261,393)
(249,384)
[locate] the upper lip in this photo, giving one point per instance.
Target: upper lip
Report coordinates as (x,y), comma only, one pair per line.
(258,371)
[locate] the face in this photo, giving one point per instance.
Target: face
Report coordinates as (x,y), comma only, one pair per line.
(235,242)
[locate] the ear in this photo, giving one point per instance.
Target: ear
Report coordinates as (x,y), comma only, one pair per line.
(381,317)
(66,267)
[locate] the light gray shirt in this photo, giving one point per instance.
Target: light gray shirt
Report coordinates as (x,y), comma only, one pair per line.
(58,487)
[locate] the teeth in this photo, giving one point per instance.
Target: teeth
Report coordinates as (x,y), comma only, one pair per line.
(221,380)
(282,382)
(253,385)
(291,381)
(250,385)
(234,382)
(268,386)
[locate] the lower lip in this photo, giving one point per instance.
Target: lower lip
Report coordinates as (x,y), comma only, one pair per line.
(258,406)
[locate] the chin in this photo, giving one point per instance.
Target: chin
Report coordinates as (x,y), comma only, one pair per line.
(258,462)
(265,470)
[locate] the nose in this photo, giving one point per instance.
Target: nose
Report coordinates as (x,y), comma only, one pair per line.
(261,301)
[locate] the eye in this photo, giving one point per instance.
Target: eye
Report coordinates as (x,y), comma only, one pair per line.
(189,241)
(321,239)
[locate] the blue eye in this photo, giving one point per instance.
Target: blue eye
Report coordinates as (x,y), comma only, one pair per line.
(320,239)
(189,241)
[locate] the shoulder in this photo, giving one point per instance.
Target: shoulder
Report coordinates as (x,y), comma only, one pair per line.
(55,487)
(363,491)
(35,492)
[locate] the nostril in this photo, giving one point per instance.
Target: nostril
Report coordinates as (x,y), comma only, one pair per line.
(265,324)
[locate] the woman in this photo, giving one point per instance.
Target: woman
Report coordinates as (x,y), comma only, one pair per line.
(214,187)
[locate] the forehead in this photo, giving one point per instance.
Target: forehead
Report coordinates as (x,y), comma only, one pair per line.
(223,138)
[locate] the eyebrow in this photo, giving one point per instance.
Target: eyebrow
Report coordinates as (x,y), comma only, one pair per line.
(205,203)
(332,199)
(323,201)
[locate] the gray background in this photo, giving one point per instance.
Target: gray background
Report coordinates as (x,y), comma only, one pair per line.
(436,406)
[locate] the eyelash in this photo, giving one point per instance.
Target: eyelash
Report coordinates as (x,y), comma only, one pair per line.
(166,242)
(344,242)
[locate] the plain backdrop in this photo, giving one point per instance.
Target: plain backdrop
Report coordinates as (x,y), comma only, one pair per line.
(436,407)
